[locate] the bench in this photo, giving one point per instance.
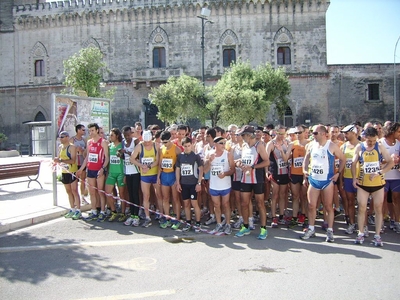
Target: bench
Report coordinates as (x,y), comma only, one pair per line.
(17,170)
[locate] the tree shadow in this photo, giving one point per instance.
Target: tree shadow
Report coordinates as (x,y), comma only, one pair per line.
(55,258)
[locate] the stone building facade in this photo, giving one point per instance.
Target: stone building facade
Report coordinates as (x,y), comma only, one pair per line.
(146,41)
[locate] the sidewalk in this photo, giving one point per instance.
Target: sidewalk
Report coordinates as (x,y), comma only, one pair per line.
(21,206)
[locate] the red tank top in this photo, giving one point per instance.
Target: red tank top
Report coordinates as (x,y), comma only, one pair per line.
(95,155)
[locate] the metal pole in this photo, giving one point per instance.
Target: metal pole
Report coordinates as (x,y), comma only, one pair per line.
(202,50)
(394,82)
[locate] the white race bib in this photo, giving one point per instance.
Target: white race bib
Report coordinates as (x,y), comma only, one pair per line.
(348,163)
(93,157)
(147,160)
(166,163)
(298,162)
(247,160)
(114,160)
(216,170)
(186,170)
(371,167)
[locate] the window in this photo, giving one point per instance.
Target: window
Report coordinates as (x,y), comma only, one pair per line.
(229,57)
(373,91)
(159,58)
(284,56)
(39,67)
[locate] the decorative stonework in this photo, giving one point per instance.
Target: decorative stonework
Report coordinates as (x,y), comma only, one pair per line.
(38,52)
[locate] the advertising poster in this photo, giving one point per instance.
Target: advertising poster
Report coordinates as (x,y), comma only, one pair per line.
(71,111)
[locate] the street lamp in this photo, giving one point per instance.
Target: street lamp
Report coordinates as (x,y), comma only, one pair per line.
(394,81)
(205,13)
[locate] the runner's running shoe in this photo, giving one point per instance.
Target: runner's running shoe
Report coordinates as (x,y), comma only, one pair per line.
(263,234)
(243,231)
(77,215)
(69,214)
(146,223)
(377,241)
(308,233)
(329,236)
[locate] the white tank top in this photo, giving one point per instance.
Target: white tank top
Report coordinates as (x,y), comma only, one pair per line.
(394,173)
(219,165)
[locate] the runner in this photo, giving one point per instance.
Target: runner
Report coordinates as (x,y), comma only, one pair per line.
(189,171)
(253,163)
(370,181)
(221,166)
(321,156)
(67,160)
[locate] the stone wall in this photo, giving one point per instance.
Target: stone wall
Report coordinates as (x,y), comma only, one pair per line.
(127,31)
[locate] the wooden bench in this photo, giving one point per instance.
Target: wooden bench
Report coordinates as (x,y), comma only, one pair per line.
(11,171)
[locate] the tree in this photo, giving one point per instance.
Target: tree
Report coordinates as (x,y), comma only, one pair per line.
(83,72)
(245,94)
(180,98)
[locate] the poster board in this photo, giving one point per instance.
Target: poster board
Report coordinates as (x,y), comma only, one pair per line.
(69,111)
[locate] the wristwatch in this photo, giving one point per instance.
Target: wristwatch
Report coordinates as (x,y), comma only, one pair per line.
(253,167)
(199,183)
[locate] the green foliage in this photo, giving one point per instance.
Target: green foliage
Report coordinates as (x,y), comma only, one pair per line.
(180,98)
(241,96)
(83,71)
(3,137)
(245,95)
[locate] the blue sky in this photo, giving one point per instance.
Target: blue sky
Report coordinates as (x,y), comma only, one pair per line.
(363,31)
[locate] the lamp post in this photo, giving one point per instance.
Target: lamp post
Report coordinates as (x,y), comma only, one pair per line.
(394,82)
(205,13)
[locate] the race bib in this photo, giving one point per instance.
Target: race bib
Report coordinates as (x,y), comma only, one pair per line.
(128,161)
(371,167)
(247,160)
(186,170)
(317,170)
(337,162)
(114,160)
(298,162)
(281,163)
(348,163)
(216,170)
(147,160)
(166,163)
(93,157)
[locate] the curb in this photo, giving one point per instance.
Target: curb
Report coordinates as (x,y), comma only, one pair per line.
(35,218)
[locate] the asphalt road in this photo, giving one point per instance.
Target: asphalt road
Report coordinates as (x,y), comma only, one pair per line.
(65,259)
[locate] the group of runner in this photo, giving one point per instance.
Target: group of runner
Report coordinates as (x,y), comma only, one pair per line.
(221,173)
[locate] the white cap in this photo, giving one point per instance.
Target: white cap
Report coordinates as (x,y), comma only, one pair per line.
(147,136)
(292,131)
(349,128)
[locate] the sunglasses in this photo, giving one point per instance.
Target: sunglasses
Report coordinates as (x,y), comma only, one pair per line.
(221,143)
(165,142)
(281,133)
(63,136)
(299,132)
(315,133)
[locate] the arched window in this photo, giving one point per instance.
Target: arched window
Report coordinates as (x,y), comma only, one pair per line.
(283,56)
(39,67)
(40,117)
(159,57)
(229,57)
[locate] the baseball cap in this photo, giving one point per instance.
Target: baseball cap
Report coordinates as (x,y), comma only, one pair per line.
(63,133)
(246,129)
(292,131)
(147,136)
(349,128)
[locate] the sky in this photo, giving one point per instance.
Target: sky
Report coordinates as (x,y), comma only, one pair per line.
(363,31)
